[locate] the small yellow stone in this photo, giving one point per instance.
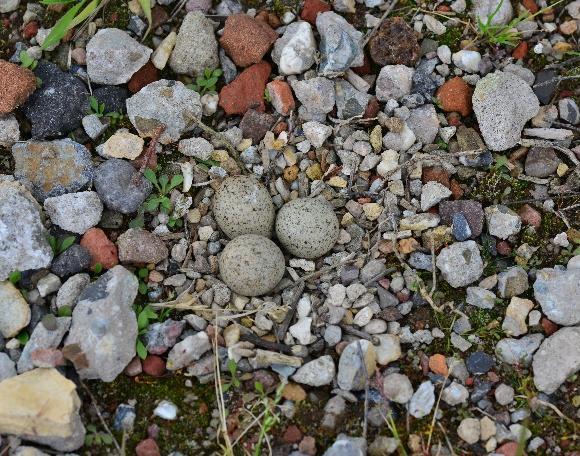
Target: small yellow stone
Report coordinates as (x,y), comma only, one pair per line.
(220,155)
(372,210)
(244,144)
(562,169)
(337,181)
(290,156)
(314,172)
(347,219)
(376,138)
(562,47)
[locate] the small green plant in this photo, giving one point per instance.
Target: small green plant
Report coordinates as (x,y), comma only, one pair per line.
(95,107)
(95,437)
(98,268)
(267,96)
(142,274)
(64,311)
(160,201)
(145,316)
(15,277)
(23,337)
(206,82)
(26,61)
(270,413)
(234,380)
(59,245)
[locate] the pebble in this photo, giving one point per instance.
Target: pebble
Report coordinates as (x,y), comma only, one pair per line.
(351,371)
(189,350)
(556,290)
(502,222)
(242,205)
(251,265)
(7,367)
(120,186)
(307,227)
(469,430)
(394,82)
(93,126)
(455,394)
(166,410)
(101,249)
(164,103)
(503,103)
(541,162)
(512,282)
(113,56)
(28,247)
(455,96)
(162,53)
(139,246)
(504,394)
(423,400)
(123,144)
(432,193)
(9,130)
(246,39)
(483,9)
(74,212)
(104,310)
(246,91)
(316,132)
(281,96)
(518,351)
(14,310)
(294,52)
(70,290)
(514,323)
(433,25)
(340,44)
(17,84)
(479,363)
(318,372)
(316,95)
(460,263)
(350,102)
(467,60)
(7,6)
(42,338)
(394,43)
(52,168)
(480,297)
(397,388)
(196,48)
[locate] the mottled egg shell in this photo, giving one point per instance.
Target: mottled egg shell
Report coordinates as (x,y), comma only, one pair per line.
(251,265)
(242,205)
(307,227)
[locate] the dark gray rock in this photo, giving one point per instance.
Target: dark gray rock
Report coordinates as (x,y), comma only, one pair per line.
(113,97)
(422,82)
(58,106)
(460,227)
(544,92)
(541,162)
(350,102)
(72,261)
(120,186)
(479,363)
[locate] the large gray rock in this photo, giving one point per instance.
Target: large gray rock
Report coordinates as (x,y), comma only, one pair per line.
(42,337)
(140,246)
(74,212)
(340,44)
(558,292)
(113,57)
(52,168)
(294,52)
(394,81)
(196,47)
(317,372)
(460,263)
(104,324)
(557,358)
(518,351)
(503,103)
(164,103)
(23,238)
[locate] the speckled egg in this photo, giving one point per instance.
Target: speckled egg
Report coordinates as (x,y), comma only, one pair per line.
(251,265)
(242,205)
(307,227)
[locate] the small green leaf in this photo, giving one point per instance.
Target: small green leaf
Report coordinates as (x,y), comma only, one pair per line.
(142,321)
(98,268)
(151,204)
(66,243)
(142,273)
(91,428)
(94,104)
(175,181)
(62,26)
(218,72)
(23,337)
(141,349)
(64,311)
(89,439)
(15,277)
(150,176)
(53,243)
(142,288)
(232,366)
(165,203)
(259,387)
(163,181)
(107,439)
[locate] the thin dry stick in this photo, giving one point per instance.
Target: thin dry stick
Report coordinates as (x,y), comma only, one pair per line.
(446,438)
(556,80)
(220,396)
(432,425)
(101,419)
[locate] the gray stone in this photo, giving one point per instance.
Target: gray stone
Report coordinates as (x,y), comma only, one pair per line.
(294,52)
(471,210)
(557,291)
(187,351)
(137,245)
(199,148)
(74,212)
(48,284)
(7,367)
(541,162)
(104,324)
(423,400)
(372,270)
(455,394)
(52,168)
(317,372)
(512,282)
(503,103)
(389,348)
(347,446)
(432,193)
(23,238)
(167,104)
(460,263)
(383,445)
(469,430)
(113,57)
(483,9)
(522,72)
(397,388)
(42,338)
(93,126)
(70,291)
(9,130)
(316,94)
(502,222)
(518,351)
(7,6)
(350,102)
(316,132)
(73,260)
(340,44)
(120,186)
(557,358)
(467,60)
(196,47)
(394,81)
(504,394)
(569,111)
(351,370)
(424,122)
(399,141)
(480,297)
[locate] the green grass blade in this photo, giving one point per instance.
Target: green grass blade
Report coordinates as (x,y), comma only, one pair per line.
(62,26)
(85,13)
(146,7)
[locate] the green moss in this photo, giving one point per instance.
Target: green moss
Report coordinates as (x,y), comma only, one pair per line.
(117,14)
(452,38)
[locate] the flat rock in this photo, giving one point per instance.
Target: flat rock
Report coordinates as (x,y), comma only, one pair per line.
(503,103)
(557,291)
(196,47)
(120,186)
(188,351)
(483,9)
(294,52)
(140,246)
(246,39)
(397,388)
(167,104)
(58,106)
(340,44)
(104,324)
(247,90)
(52,168)
(113,56)
(460,263)
(123,144)
(23,238)
(502,222)
(42,406)
(317,372)
(316,94)
(73,260)
(512,282)
(350,102)
(16,85)
(471,210)
(394,81)
(541,162)
(423,400)
(14,310)
(557,359)
(351,371)
(518,351)
(74,212)
(424,123)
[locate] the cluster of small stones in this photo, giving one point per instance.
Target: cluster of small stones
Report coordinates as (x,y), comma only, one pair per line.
(335,213)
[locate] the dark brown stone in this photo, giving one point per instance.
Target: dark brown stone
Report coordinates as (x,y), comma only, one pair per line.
(470,209)
(394,43)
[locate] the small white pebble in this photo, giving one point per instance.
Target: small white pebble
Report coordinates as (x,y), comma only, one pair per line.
(166,410)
